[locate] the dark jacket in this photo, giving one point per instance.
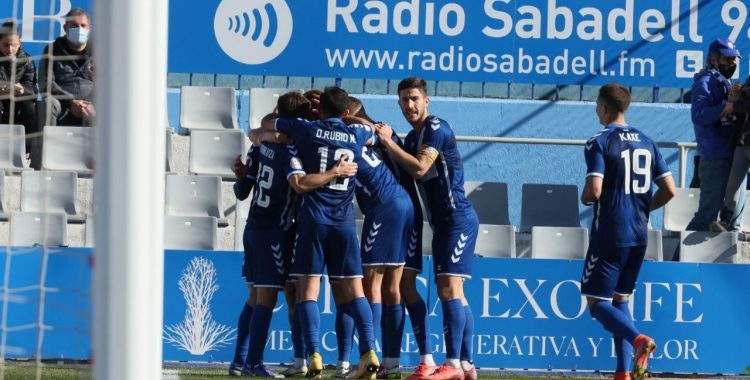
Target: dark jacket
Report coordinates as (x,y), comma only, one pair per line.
(742,111)
(71,75)
(25,72)
(709,92)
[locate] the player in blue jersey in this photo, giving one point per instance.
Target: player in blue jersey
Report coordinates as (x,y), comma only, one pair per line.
(432,157)
(622,163)
(326,234)
(387,227)
(279,177)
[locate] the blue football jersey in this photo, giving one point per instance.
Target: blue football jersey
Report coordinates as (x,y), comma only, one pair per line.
(321,144)
(242,188)
(375,183)
(444,182)
(273,197)
(628,162)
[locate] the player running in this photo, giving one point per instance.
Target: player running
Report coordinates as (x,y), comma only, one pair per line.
(621,164)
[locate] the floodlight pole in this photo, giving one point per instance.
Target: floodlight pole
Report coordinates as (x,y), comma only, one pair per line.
(130,38)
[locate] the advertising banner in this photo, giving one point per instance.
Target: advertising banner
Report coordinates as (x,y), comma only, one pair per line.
(528,313)
(636,43)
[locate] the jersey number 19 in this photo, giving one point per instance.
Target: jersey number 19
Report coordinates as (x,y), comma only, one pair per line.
(636,167)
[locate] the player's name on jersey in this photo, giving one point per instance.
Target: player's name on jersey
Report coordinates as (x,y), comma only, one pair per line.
(630,137)
(267,152)
(336,136)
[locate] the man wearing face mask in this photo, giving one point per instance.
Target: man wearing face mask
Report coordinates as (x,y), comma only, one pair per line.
(66,79)
(713,129)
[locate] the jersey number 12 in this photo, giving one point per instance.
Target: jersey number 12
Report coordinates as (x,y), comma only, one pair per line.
(637,167)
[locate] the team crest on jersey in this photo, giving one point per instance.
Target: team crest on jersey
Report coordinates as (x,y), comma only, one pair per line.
(295,163)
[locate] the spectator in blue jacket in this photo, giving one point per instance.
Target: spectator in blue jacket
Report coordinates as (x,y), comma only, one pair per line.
(711,89)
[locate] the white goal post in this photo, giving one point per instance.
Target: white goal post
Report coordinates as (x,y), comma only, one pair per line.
(131,60)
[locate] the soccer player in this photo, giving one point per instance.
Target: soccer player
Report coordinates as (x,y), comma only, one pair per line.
(279,175)
(622,163)
(388,225)
(326,234)
(432,157)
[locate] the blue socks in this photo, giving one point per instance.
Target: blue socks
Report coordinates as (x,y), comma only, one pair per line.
(454,322)
(297,341)
(310,322)
(615,321)
(360,310)
(376,310)
(259,324)
(243,334)
(421,326)
(467,350)
(344,331)
(393,331)
(623,348)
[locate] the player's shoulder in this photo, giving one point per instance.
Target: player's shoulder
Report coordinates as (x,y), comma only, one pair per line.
(600,137)
(436,124)
(361,128)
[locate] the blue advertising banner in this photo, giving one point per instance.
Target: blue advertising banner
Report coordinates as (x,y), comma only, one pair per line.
(528,312)
(644,43)
(41,21)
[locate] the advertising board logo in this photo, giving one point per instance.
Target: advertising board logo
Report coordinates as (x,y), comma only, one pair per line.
(253,32)
(689,63)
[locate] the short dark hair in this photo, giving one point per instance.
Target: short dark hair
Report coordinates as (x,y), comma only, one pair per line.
(355,105)
(75,12)
(9,28)
(334,102)
(313,94)
(615,96)
(413,82)
(293,105)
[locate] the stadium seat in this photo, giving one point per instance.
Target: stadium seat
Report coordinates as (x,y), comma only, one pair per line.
(549,206)
(490,200)
(169,166)
(12,148)
(89,231)
(496,241)
(559,242)
(212,152)
(263,101)
(190,233)
(708,247)
(426,239)
(207,108)
(654,251)
(51,192)
(33,228)
(69,149)
(195,196)
(680,210)
(4,215)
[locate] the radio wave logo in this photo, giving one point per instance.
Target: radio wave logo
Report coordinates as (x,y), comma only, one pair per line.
(253,31)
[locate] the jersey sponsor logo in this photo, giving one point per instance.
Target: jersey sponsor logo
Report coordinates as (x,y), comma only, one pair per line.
(430,152)
(295,163)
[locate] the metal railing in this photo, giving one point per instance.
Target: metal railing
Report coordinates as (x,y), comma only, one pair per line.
(683,147)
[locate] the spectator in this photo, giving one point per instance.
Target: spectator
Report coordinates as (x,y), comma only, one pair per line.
(711,89)
(731,215)
(66,78)
(17,82)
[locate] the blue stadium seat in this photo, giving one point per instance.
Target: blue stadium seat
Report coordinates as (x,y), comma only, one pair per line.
(490,200)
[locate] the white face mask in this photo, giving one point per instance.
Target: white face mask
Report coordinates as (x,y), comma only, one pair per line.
(77,36)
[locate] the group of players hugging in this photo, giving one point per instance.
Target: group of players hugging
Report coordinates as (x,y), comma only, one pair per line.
(320,150)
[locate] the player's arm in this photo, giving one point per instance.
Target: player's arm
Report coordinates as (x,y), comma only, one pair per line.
(245,174)
(664,193)
(304,183)
(258,136)
(418,166)
(592,190)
